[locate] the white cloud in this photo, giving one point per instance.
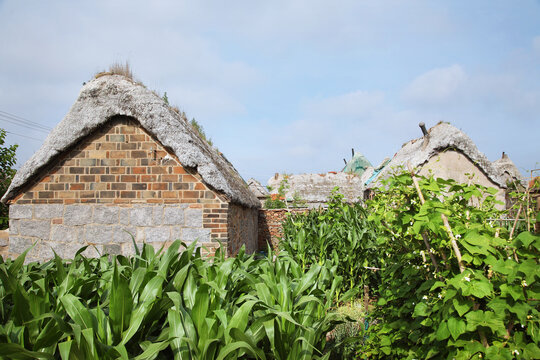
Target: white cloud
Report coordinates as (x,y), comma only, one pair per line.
(437,86)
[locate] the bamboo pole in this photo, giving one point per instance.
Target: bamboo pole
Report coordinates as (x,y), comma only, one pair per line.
(445,221)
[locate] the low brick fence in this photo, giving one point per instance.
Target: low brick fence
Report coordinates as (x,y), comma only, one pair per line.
(270,225)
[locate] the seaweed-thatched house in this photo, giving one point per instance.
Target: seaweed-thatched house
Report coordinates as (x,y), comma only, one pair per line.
(446,152)
(123,163)
(258,190)
(314,190)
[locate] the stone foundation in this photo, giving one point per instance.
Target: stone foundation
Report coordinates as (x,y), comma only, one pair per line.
(107,229)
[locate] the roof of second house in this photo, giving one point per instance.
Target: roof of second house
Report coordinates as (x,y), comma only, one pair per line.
(440,137)
(111,95)
(257,189)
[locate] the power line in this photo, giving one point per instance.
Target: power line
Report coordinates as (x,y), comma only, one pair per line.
(5,114)
(28,137)
(22,124)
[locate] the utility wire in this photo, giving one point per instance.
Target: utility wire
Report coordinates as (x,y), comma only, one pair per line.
(28,137)
(22,124)
(5,114)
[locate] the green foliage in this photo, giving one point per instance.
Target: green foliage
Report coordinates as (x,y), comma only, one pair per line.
(340,235)
(199,129)
(490,309)
(279,200)
(7,162)
(171,305)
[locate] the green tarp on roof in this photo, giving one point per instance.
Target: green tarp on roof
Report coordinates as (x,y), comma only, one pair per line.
(357,165)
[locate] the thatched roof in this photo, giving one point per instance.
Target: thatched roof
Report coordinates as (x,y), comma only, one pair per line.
(317,188)
(257,189)
(507,170)
(441,137)
(108,96)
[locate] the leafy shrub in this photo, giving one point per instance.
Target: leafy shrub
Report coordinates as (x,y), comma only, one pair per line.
(164,306)
(433,304)
(7,162)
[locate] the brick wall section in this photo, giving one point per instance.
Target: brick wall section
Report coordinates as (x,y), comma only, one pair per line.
(270,226)
(242,223)
(116,180)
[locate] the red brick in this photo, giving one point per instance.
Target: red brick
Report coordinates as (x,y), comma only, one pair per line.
(76,186)
(138,170)
(128,178)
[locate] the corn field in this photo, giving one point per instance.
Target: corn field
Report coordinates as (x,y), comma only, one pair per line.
(166,305)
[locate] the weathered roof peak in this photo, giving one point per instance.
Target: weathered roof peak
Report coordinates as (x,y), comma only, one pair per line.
(111,95)
(440,137)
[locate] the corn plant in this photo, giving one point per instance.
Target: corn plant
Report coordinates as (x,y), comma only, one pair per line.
(340,235)
(165,305)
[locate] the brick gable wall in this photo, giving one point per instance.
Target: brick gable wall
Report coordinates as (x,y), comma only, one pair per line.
(117,183)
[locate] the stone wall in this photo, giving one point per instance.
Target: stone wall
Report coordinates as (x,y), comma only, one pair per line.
(4,243)
(116,182)
(270,226)
(242,224)
(106,228)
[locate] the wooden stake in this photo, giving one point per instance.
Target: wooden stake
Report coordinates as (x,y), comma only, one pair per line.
(445,222)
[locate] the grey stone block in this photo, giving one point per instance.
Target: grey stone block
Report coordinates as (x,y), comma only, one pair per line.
(198,234)
(93,251)
(13,227)
(129,250)
(124,216)
(66,234)
(157,234)
(112,249)
(67,250)
(78,215)
(17,244)
(4,241)
(48,211)
(158,216)
(193,217)
(37,228)
(43,251)
(106,215)
(141,216)
(98,234)
(176,233)
(140,235)
(20,211)
(122,234)
(173,215)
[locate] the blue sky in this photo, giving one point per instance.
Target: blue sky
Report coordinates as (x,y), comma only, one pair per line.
(290,86)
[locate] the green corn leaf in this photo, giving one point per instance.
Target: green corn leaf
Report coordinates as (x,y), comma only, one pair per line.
(239,335)
(16,351)
(233,348)
(176,335)
(149,294)
(65,348)
(77,311)
(153,350)
(120,304)
(200,308)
